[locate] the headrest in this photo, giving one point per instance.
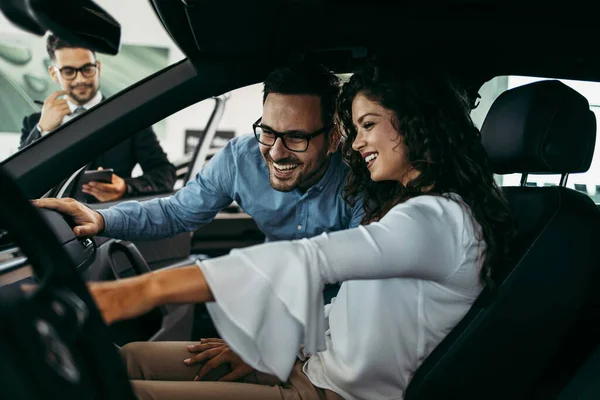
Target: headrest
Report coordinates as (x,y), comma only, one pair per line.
(540,128)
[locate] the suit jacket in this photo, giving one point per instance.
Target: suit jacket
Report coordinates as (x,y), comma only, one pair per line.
(143,148)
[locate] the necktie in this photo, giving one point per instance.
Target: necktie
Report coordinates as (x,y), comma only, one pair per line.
(77,111)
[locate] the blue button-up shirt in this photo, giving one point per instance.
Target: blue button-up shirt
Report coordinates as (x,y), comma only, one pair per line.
(238,172)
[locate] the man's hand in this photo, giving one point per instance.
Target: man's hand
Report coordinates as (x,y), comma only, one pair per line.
(213,353)
(106,191)
(88,222)
(53,111)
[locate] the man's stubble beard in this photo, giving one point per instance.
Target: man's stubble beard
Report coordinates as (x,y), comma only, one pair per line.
(78,99)
(323,161)
(282,186)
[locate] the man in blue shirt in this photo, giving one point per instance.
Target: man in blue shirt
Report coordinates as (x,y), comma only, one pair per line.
(289,175)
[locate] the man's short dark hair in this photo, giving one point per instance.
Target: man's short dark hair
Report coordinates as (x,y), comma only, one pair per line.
(54,43)
(306,79)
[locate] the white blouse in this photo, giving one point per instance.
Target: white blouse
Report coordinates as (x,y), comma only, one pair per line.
(407,281)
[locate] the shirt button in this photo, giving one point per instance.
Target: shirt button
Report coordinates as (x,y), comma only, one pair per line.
(299,227)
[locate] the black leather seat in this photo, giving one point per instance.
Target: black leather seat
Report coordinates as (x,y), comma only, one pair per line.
(585,385)
(506,341)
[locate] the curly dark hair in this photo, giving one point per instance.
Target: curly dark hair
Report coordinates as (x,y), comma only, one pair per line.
(433,117)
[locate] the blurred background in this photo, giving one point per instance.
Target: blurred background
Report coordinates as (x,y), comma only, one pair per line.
(146,48)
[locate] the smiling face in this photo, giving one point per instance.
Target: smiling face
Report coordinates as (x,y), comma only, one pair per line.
(379,143)
(81,89)
(302,113)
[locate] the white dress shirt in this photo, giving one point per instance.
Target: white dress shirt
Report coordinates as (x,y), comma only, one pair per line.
(97,99)
(72,106)
(407,281)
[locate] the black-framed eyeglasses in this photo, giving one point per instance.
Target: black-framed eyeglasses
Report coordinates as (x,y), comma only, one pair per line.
(296,141)
(70,73)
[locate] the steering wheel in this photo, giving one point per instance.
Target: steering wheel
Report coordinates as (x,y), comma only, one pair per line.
(53,341)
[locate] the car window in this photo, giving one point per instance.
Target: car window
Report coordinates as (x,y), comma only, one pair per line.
(27,80)
(186,128)
(587,182)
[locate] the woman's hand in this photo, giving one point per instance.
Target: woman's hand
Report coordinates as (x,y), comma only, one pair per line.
(214,353)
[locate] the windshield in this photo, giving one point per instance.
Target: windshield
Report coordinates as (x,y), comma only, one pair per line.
(35,70)
(45,82)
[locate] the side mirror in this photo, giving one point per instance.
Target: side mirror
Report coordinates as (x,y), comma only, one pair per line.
(79,22)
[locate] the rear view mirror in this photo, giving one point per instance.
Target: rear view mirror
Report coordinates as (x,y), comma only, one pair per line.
(79,22)
(17,11)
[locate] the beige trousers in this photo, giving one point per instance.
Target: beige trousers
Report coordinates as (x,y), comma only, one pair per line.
(157,372)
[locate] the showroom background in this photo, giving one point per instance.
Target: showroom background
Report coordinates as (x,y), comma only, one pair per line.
(146,48)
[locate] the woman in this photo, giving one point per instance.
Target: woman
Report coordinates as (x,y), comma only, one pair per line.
(410,273)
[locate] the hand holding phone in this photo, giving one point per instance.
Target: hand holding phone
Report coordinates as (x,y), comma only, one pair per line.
(97,175)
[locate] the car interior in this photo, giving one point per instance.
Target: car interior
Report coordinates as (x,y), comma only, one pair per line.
(536,335)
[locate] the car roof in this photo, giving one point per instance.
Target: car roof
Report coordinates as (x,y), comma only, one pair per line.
(474,39)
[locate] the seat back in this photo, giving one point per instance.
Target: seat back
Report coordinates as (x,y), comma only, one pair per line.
(502,346)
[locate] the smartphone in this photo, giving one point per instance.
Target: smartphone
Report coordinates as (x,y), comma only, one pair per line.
(98,175)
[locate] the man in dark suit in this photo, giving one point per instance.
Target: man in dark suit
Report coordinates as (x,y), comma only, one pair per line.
(77,71)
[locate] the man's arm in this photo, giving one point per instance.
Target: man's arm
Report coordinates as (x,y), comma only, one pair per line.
(159,173)
(29,130)
(191,207)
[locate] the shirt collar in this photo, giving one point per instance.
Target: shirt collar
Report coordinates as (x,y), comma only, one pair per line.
(334,160)
(93,101)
